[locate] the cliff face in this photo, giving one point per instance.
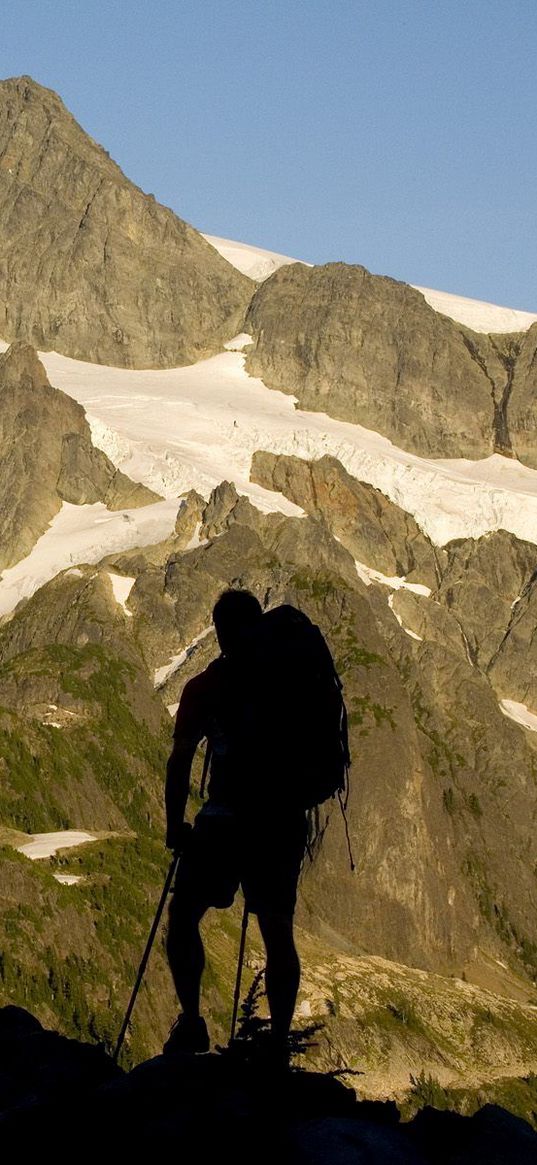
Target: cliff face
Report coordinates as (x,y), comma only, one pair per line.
(370,350)
(48,457)
(523,398)
(372,528)
(89,265)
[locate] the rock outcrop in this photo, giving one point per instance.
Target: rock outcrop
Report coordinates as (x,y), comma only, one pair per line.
(513,667)
(92,267)
(522,403)
(374,530)
(224,1105)
(370,350)
(481,586)
(442,799)
(48,457)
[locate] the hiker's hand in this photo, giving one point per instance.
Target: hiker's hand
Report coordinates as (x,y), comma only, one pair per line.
(176,838)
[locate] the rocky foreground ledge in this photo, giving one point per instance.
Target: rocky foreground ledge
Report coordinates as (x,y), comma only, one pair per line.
(56,1091)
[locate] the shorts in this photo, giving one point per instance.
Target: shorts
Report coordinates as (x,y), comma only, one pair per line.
(223,853)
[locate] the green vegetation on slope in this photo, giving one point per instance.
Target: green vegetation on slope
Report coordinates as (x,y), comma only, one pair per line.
(42,765)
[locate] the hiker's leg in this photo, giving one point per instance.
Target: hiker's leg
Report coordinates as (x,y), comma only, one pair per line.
(206,877)
(185,952)
(282,975)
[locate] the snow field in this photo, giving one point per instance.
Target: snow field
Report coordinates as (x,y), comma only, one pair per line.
(193,427)
(196,426)
(45,845)
(84,534)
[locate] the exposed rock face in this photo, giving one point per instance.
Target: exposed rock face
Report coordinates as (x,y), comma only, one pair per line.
(89,265)
(372,528)
(370,350)
(513,667)
(483,579)
(189,517)
(522,409)
(48,456)
(442,804)
(428,619)
(427,807)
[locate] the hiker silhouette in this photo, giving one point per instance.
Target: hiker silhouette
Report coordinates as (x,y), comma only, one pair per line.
(271,709)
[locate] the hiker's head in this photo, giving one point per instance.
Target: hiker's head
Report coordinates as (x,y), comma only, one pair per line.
(235,612)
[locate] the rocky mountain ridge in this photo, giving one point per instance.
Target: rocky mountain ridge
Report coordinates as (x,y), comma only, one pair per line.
(95,269)
(89,265)
(440,915)
(370,350)
(441,809)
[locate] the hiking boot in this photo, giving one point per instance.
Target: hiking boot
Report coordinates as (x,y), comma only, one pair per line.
(187,1035)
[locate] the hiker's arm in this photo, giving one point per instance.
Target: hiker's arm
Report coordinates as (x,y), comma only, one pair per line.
(187,734)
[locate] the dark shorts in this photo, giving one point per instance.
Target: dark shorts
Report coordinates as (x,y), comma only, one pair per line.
(223,853)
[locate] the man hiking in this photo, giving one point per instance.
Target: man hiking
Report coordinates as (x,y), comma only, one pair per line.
(247,833)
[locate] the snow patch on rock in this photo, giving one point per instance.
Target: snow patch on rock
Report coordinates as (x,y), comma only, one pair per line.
(45,845)
(520,714)
(394,582)
(83,534)
(407,630)
(122,586)
(163,674)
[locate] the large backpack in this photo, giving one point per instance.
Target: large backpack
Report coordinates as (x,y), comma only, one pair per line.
(289,723)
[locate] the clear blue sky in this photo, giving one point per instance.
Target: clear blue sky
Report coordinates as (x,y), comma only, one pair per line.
(400,135)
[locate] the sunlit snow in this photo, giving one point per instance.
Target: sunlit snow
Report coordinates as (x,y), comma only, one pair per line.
(519,713)
(163,674)
(395,582)
(183,428)
(122,587)
(44,845)
(83,534)
(252,261)
(196,426)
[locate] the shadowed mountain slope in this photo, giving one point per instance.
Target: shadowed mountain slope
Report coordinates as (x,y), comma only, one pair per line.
(220,1106)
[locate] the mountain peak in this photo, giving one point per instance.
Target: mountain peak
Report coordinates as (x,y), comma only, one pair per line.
(92,267)
(21,360)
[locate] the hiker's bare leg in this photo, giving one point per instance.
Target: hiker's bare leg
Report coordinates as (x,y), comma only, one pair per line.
(282,975)
(186,955)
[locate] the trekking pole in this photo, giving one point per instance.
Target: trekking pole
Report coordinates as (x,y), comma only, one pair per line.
(237,994)
(146,954)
